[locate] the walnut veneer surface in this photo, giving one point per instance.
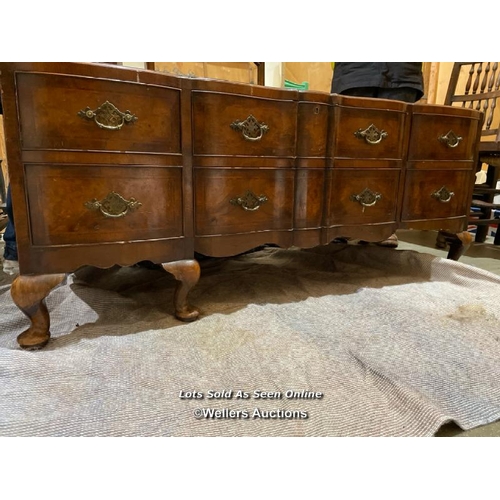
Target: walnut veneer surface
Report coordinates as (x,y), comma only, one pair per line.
(112,165)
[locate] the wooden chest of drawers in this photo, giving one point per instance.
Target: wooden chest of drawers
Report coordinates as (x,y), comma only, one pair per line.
(112,165)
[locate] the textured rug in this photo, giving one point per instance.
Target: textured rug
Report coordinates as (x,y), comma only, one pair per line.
(339,340)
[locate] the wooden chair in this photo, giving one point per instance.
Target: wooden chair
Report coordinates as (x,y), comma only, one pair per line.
(476,85)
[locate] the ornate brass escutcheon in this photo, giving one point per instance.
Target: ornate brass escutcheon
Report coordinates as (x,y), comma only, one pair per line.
(251,129)
(249,201)
(450,139)
(114,205)
(444,195)
(367,198)
(371,134)
(108,116)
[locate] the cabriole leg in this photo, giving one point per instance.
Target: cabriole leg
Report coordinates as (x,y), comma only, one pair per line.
(187,273)
(459,243)
(28,293)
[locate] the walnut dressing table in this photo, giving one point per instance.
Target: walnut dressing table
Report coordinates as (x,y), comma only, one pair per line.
(111,165)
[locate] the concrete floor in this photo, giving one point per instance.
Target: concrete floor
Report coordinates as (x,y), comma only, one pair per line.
(483,255)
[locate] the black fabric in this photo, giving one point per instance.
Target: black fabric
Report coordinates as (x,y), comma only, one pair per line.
(405,94)
(9,236)
(384,75)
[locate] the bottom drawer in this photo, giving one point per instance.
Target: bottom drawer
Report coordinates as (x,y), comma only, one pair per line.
(231,201)
(362,196)
(79,204)
(436,194)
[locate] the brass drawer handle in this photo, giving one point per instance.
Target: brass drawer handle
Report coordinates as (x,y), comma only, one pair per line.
(371,134)
(451,139)
(249,201)
(114,205)
(367,198)
(443,195)
(251,129)
(108,116)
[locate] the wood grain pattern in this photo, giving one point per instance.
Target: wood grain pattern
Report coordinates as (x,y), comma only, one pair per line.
(428,127)
(29,293)
(419,202)
(216,188)
(187,274)
(218,168)
(58,194)
(345,184)
(59,98)
(214,113)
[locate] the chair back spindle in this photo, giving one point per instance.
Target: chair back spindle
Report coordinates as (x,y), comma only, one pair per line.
(477,85)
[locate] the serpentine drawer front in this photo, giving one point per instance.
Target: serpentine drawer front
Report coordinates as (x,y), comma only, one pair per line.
(437,134)
(78,204)
(361,197)
(111,165)
(230,124)
(376,131)
(436,194)
(441,157)
(242,201)
(82,113)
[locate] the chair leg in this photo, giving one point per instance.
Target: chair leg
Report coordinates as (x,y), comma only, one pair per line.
(459,243)
(481,233)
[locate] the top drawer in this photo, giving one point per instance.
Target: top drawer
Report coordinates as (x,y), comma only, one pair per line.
(231,124)
(443,133)
(79,113)
(362,130)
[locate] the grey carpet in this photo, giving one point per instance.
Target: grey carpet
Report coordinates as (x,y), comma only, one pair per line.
(398,343)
